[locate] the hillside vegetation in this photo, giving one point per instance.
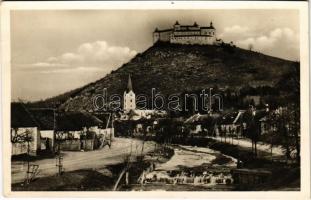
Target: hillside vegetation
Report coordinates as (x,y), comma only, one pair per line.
(175,69)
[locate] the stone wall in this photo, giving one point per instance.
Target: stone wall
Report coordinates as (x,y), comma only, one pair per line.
(193,40)
(76,145)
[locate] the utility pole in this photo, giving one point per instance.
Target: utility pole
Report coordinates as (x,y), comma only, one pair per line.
(28,161)
(28,138)
(60,164)
(59,158)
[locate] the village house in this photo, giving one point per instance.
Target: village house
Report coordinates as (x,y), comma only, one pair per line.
(25,134)
(203,123)
(232,124)
(77,131)
(254,100)
(46,120)
(106,129)
(265,120)
(196,123)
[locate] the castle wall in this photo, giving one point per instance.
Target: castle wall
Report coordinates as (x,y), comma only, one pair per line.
(163,36)
(187,35)
(187,32)
(210,32)
(193,40)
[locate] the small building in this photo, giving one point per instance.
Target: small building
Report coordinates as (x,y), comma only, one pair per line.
(46,120)
(25,134)
(232,123)
(106,129)
(77,131)
(252,99)
(203,123)
(261,118)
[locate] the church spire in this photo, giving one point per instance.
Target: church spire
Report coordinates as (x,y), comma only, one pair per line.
(129,84)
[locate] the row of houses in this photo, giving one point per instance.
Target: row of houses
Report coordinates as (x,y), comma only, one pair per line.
(36,130)
(230,123)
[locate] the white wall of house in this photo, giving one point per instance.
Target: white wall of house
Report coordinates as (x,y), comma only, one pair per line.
(196,130)
(107,132)
(228,127)
(76,134)
(22,147)
(94,129)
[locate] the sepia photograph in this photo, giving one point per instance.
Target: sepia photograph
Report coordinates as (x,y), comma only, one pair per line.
(155,99)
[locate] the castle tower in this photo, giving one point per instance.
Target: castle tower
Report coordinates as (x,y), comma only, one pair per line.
(156,35)
(129,97)
(176,25)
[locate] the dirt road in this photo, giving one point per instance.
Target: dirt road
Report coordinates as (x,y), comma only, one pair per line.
(277,150)
(81,160)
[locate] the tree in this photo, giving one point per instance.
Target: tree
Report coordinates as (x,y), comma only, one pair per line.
(250,46)
(283,129)
(252,128)
(271,135)
(23,137)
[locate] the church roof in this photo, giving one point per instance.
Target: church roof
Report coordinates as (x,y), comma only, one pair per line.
(129,84)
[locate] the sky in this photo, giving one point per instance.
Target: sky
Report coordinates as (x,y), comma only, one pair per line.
(56,51)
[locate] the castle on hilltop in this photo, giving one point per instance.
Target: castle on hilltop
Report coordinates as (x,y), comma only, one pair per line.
(187,34)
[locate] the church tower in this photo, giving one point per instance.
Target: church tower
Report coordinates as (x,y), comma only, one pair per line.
(129,97)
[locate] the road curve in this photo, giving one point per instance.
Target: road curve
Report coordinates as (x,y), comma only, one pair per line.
(75,160)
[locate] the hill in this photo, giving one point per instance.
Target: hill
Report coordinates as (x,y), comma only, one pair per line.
(175,68)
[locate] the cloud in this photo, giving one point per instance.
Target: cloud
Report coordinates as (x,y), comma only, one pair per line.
(97,55)
(234,32)
(236,29)
(46,64)
(279,42)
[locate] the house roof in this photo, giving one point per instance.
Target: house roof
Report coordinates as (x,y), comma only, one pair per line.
(192,35)
(207,27)
(260,114)
(21,117)
(198,118)
(169,120)
(239,117)
(104,117)
(164,30)
(75,121)
(229,118)
(44,117)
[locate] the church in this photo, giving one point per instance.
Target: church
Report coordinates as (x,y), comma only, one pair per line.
(130,111)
